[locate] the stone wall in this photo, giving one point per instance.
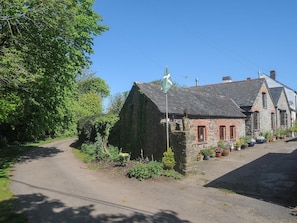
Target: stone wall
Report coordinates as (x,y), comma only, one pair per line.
(265,112)
(185,143)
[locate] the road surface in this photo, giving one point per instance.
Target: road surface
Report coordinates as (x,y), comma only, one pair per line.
(52,185)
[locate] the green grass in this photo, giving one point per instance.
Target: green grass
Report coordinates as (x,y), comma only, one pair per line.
(8,156)
(82,156)
(227,191)
(171,173)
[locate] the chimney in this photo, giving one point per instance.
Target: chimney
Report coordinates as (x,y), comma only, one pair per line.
(226,79)
(272,74)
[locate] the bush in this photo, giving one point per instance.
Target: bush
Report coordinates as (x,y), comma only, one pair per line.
(143,171)
(89,127)
(168,159)
(97,151)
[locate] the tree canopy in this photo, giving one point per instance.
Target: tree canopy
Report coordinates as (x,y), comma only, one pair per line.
(44,44)
(116,102)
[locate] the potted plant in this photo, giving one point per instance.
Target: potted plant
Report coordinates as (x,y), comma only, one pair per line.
(219,152)
(251,142)
(225,148)
(199,156)
(244,143)
(260,139)
(206,153)
(238,144)
(212,151)
(268,136)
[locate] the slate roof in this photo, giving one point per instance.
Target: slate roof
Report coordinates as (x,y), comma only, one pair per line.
(276,93)
(197,103)
(244,93)
(285,86)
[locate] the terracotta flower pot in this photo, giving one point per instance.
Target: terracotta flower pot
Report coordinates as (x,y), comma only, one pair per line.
(226,152)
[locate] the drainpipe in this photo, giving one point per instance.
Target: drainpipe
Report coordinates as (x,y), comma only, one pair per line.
(252,126)
(295,105)
(276,119)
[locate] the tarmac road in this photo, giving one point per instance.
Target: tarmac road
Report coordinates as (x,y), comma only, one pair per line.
(53,186)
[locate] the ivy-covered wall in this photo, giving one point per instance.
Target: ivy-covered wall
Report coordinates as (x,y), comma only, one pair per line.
(140,131)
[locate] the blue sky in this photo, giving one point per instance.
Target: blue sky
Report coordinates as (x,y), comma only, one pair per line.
(195,39)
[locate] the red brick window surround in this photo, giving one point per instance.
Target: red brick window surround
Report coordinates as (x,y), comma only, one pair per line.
(201,133)
(222,132)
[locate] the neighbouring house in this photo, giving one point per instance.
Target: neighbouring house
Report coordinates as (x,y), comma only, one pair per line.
(197,120)
(282,109)
(291,94)
(253,97)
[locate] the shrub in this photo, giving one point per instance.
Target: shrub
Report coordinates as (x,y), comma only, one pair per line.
(155,167)
(98,152)
(143,171)
(114,153)
(89,127)
(89,150)
(168,159)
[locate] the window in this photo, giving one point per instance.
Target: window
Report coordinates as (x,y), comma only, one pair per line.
(273,120)
(201,133)
(264,100)
(222,132)
(256,120)
(283,117)
(232,132)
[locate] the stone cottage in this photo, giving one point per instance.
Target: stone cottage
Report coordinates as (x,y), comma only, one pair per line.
(253,97)
(282,109)
(196,120)
(290,93)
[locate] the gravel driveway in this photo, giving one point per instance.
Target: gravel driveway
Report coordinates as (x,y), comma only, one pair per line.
(252,185)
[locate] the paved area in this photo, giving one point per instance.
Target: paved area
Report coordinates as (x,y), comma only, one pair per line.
(252,185)
(266,171)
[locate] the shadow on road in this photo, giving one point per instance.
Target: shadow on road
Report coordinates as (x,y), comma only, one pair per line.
(38,153)
(272,178)
(42,209)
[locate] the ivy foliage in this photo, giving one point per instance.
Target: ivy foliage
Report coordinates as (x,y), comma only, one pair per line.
(43,46)
(89,127)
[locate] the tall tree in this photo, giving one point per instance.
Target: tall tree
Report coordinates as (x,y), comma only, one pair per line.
(91,92)
(116,102)
(95,85)
(43,44)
